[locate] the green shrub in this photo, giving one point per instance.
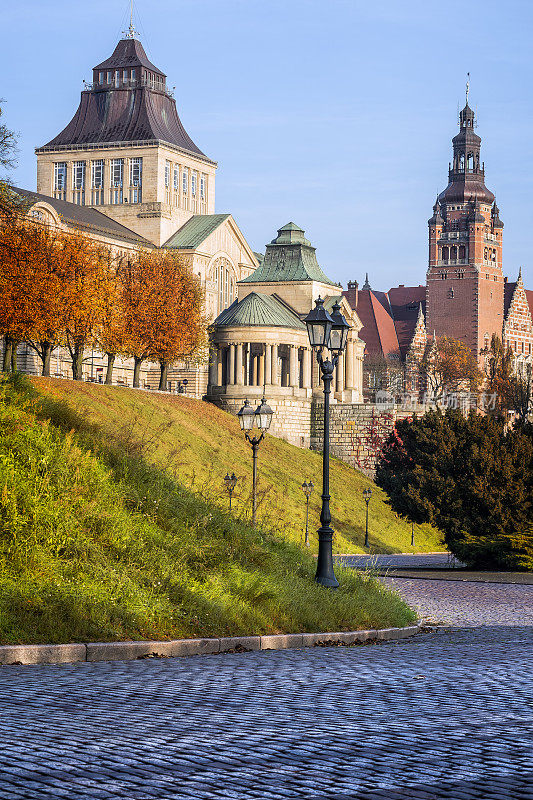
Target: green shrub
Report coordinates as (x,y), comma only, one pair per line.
(470,477)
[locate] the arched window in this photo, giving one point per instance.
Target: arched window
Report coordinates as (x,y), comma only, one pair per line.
(445,254)
(453,253)
(462,163)
(470,162)
(451,293)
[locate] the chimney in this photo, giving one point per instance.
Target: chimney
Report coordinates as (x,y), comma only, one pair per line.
(352,294)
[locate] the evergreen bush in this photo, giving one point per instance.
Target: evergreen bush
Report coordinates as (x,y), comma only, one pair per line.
(469,476)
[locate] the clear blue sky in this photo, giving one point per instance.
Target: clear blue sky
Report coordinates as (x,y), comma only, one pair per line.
(335,114)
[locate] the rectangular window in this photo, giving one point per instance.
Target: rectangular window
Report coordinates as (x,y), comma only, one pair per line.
(125,75)
(102,77)
(133,74)
(109,76)
(135,195)
(176,177)
(97,174)
(136,171)
(117,78)
(203,181)
(117,172)
(194,178)
(60,176)
(78,182)
(167,174)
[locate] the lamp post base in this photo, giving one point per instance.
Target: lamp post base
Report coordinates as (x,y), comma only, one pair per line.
(324,568)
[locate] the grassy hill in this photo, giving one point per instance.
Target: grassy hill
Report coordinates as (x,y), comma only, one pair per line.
(112,524)
(197,444)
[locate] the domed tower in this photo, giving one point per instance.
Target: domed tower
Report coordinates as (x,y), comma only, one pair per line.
(465,282)
(127,152)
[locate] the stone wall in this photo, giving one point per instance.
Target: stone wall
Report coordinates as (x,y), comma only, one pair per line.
(357,431)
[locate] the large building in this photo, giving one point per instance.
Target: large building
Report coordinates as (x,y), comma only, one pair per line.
(466,296)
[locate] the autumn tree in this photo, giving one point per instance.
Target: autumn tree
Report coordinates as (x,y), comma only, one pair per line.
(163,310)
(448,365)
(52,284)
(111,335)
(498,372)
(10,202)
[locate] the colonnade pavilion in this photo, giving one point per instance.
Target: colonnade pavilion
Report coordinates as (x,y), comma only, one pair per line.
(260,344)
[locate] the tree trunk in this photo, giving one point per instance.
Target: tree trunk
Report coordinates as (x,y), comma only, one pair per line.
(137,371)
(77,362)
(46,357)
(8,353)
(163,377)
(14,358)
(110,364)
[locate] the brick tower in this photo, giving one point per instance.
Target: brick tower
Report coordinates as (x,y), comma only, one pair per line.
(465,285)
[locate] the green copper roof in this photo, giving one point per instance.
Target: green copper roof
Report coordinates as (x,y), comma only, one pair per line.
(195,231)
(289,257)
(259,310)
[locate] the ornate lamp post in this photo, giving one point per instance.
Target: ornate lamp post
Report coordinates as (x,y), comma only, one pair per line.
(367,494)
(261,417)
(231,483)
(307,489)
(326,332)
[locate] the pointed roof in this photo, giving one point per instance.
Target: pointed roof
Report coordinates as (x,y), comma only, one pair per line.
(127,102)
(259,310)
(366,284)
(195,231)
(289,257)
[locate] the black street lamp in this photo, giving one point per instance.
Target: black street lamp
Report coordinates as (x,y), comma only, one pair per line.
(261,417)
(231,483)
(326,331)
(412,533)
(307,489)
(367,494)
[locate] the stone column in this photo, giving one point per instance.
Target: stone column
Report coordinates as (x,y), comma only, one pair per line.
(275,370)
(340,373)
(219,366)
(261,369)
(213,366)
(293,366)
(255,370)
(268,365)
(240,376)
(307,368)
(350,364)
(231,376)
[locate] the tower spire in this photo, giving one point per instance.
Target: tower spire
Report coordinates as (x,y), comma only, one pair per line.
(467,86)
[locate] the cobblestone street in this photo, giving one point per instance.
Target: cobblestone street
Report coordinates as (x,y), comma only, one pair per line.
(448,714)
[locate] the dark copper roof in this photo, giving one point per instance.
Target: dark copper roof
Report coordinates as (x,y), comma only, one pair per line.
(133,110)
(84,218)
(128,53)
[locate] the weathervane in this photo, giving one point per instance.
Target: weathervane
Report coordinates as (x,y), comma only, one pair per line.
(467,86)
(130,33)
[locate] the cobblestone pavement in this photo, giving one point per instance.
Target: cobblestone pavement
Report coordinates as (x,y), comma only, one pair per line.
(467,603)
(448,714)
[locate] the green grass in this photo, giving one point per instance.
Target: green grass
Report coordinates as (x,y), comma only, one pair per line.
(197,444)
(99,542)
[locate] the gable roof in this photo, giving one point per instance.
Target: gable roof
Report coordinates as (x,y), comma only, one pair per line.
(195,231)
(289,257)
(86,218)
(389,318)
(259,310)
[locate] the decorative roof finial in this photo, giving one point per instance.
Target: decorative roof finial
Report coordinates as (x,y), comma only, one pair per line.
(130,33)
(367,284)
(467,86)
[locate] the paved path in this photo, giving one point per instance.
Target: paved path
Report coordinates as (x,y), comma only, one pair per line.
(448,714)
(401,560)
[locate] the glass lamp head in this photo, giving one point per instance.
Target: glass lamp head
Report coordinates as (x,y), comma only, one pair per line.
(339,330)
(319,324)
(263,415)
(246,417)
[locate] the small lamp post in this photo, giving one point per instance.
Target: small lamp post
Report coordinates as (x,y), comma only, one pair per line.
(230,482)
(412,533)
(367,494)
(261,417)
(307,489)
(326,332)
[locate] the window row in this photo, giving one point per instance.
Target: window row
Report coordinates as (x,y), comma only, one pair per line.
(118,168)
(128,77)
(458,274)
(453,253)
(183,181)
